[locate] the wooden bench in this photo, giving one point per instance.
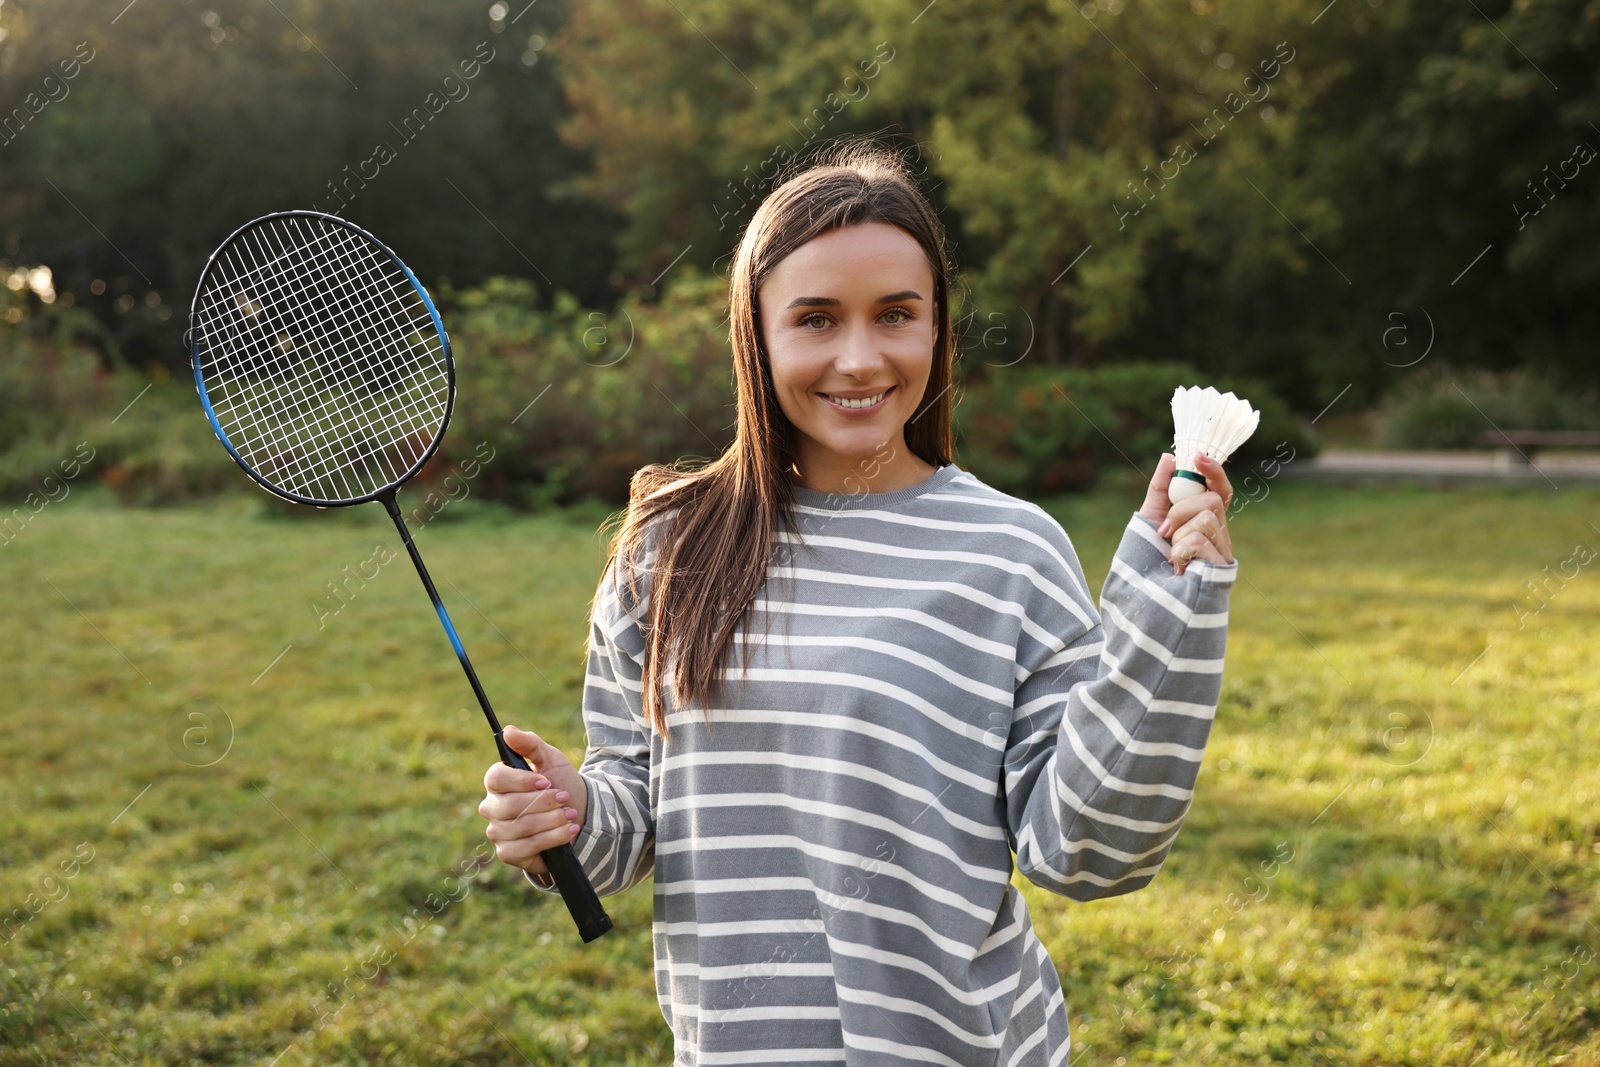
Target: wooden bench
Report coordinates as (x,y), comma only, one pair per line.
(1517,447)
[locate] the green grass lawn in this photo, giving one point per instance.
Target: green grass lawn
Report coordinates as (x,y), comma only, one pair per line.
(241,828)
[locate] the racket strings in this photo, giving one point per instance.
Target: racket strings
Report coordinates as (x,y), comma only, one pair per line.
(317,310)
(324,365)
(329,316)
(277,395)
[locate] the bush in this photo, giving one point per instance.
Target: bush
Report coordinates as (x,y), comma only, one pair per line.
(573,401)
(67,399)
(162,450)
(1446,408)
(1039,430)
(47,392)
(557,403)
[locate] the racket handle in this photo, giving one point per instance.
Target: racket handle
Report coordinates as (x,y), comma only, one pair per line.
(582,901)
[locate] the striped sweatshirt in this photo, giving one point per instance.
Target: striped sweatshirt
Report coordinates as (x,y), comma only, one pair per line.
(930,700)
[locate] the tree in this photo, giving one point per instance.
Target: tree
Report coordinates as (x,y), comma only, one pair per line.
(430,123)
(1258,189)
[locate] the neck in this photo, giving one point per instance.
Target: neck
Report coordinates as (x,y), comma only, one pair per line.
(891,468)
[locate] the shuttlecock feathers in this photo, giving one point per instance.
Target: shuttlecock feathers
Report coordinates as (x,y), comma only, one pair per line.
(1206,422)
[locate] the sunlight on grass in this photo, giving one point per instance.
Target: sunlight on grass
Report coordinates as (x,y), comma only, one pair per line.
(268,807)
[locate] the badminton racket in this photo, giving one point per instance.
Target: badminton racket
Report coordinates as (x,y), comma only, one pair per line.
(325,371)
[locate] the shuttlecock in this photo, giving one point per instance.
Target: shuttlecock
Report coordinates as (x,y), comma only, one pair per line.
(1210,423)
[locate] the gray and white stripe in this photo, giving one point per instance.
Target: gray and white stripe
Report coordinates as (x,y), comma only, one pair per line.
(931,701)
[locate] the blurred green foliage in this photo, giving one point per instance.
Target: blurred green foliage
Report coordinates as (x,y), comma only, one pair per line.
(558,403)
(1041,430)
(1454,409)
(144,438)
(1259,197)
(574,400)
(1243,186)
(1246,186)
(138,139)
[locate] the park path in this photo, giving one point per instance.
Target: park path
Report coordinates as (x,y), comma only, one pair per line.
(1465,468)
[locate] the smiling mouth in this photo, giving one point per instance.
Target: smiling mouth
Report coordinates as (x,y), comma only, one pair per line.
(857,403)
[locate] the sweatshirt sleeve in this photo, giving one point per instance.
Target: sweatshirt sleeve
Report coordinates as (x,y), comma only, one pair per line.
(1109,725)
(616,847)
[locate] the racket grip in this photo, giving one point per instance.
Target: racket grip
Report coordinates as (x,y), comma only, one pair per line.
(582,901)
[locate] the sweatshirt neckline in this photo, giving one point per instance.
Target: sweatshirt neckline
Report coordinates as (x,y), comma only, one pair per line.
(817,498)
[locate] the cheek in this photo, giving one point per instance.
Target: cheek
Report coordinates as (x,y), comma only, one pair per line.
(916,358)
(787,380)
(795,368)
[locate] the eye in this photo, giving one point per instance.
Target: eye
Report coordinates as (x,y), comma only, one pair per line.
(899,311)
(815,316)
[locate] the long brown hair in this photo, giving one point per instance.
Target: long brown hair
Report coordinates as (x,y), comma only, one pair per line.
(721,517)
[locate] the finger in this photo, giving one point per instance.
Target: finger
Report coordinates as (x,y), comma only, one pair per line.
(1185,545)
(1155,497)
(545,829)
(500,778)
(1162,479)
(532,748)
(524,852)
(533,824)
(506,806)
(1181,558)
(1216,479)
(527,744)
(1184,511)
(1224,542)
(1195,543)
(1207,523)
(514,804)
(1213,523)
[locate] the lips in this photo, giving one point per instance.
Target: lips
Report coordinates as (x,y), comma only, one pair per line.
(857,401)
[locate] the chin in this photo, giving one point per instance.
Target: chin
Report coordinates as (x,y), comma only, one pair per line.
(853,440)
(865,439)
(863,450)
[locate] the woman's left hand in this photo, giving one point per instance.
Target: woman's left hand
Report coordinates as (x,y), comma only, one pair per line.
(1196,527)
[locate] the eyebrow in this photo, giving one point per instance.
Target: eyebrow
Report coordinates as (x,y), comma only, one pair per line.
(830,302)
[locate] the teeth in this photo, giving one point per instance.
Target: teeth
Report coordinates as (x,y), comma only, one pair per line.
(864,402)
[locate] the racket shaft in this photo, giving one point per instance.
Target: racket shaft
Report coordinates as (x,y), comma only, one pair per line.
(576,890)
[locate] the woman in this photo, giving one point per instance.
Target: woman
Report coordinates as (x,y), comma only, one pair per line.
(835,682)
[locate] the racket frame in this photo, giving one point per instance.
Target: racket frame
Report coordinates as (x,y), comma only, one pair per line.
(212,265)
(581,900)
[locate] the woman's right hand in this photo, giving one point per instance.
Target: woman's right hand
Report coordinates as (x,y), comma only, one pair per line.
(532,811)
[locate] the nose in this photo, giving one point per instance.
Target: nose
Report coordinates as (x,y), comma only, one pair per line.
(858,355)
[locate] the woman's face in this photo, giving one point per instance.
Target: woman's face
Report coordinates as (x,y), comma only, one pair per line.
(848,320)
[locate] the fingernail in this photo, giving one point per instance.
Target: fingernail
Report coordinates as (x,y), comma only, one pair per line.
(572,813)
(573,828)
(542,784)
(562,796)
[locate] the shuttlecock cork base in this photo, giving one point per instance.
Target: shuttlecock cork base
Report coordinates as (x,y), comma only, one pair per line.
(1205,422)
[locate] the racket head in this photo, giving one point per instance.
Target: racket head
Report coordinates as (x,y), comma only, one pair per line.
(322,363)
